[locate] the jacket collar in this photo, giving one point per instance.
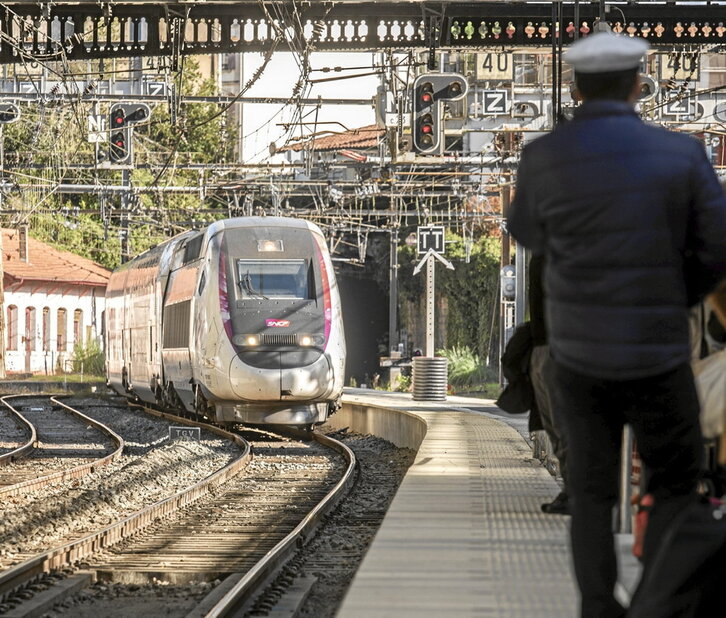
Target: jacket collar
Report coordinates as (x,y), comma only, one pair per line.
(592,109)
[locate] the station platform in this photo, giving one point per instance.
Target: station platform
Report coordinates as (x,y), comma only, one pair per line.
(465,535)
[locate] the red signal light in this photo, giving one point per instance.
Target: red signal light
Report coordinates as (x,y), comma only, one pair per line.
(118,117)
(426,94)
(426,130)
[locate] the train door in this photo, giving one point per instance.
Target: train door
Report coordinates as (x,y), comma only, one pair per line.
(126,356)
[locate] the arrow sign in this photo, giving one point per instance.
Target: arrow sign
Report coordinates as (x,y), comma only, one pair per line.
(430,260)
(427,257)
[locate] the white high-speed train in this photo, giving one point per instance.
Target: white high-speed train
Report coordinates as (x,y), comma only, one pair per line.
(238,322)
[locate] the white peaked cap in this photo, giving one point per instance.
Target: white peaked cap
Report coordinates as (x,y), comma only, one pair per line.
(604,52)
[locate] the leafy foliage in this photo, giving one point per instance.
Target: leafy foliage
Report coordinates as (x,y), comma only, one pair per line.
(44,147)
(465,367)
(89,358)
(471,289)
(401,384)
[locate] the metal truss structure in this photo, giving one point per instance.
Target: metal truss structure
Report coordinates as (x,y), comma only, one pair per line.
(85,29)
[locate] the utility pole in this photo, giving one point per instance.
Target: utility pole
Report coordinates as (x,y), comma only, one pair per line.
(125,206)
(393,294)
(240,109)
(520,298)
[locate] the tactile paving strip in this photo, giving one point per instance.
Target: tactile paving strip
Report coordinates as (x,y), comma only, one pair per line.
(465,535)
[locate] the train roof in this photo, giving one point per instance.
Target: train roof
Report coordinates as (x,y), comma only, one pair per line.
(288,222)
(232,223)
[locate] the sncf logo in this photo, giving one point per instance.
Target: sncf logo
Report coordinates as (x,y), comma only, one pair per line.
(277,323)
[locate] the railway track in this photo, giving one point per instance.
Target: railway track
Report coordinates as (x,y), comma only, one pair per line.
(62,444)
(17,435)
(245,534)
(242,531)
(18,580)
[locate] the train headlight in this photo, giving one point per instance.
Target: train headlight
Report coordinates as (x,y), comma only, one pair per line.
(251,340)
(310,340)
(270,245)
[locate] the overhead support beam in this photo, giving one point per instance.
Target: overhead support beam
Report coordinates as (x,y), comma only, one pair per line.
(86,30)
(157,98)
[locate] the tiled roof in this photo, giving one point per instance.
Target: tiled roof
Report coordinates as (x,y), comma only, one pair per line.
(48,264)
(363,137)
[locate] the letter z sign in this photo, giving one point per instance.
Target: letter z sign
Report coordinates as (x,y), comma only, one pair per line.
(494,102)
(430,237)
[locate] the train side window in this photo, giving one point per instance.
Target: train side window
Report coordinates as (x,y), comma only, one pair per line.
(202,283)
(193,248)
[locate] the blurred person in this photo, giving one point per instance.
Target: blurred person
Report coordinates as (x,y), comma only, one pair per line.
(542,376)
(632,221)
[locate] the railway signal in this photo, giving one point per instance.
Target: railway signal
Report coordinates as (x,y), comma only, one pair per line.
(429,92)
(509,282)
(9,113)
(122,117)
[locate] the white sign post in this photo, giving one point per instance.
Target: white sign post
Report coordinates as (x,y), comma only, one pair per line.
(430,241)
(430,373)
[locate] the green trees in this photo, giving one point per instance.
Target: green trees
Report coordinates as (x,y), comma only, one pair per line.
(468,296)
(49,146)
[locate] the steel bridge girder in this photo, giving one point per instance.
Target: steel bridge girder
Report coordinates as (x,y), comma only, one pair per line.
(87,30)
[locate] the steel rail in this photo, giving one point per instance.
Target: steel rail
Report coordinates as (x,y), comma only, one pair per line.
(249,582)
(70,553)
(24,449)
(75,472)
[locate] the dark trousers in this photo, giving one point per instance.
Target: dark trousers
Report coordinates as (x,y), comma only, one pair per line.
(541,371)
(663,412)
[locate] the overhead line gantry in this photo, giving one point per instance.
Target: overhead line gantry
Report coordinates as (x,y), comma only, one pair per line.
(89,29)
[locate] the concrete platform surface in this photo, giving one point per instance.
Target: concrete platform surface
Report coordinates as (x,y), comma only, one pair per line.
(465,535)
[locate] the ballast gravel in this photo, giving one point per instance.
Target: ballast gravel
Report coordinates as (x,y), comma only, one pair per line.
(332,556)
(12,433)
(151,468)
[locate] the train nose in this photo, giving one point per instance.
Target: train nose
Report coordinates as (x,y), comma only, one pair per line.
(280,383)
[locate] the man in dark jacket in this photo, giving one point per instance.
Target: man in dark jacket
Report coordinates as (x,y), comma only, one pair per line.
(632,221)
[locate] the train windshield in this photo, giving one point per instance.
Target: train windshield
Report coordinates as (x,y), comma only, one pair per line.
(273,278)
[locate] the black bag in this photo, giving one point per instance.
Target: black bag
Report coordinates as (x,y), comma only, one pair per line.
(688,573)
(518,396)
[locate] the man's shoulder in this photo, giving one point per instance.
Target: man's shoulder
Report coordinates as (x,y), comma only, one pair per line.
(644,135)
(678,140)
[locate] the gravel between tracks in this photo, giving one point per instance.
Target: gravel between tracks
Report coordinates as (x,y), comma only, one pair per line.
(333,556)
(337,549)
(12,435)
(151,469)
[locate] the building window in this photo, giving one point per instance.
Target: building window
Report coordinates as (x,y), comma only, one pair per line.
(30,329)
(62,330)
(12,319)
(46,329)
(78,327)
